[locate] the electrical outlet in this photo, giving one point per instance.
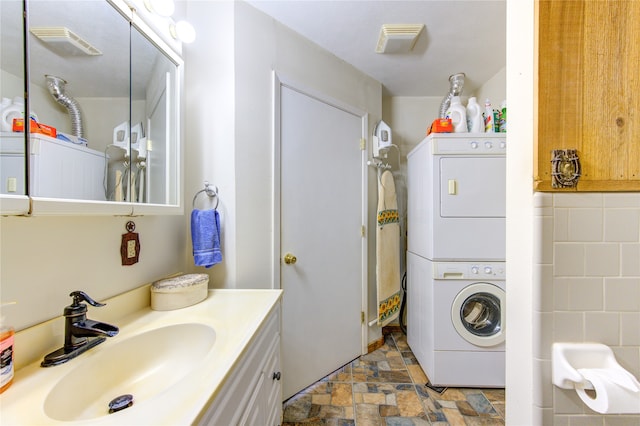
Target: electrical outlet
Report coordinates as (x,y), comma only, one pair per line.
(131,249)
(12,184)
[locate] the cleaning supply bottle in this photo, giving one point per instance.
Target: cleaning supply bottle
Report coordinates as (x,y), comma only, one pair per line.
(458,115)
(489,124)
(475,122)
(6,354)
(9,112)
(503,117)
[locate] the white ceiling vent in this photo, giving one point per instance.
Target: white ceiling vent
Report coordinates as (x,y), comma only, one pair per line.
(65,41)
(398,38)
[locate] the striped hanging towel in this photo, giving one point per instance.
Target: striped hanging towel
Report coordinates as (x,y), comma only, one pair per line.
(387,250)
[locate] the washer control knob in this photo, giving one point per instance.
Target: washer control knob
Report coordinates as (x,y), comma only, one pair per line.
(503,145)
(474,145)
(488,270)
(475,269)
(488,145)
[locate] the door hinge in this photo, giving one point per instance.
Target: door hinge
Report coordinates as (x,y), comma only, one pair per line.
(361,317)
(363,230)
(363,144)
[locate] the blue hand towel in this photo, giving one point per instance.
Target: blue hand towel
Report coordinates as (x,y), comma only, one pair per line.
(205,236)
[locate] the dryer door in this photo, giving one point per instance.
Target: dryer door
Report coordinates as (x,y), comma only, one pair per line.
(478,314)
(472,187)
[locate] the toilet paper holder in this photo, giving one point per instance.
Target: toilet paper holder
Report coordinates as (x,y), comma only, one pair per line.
(593,371)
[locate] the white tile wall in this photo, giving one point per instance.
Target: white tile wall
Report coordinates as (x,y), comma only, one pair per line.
(622,224)
(568,259)
(602,259)
(584,225)
(630,260)
(630,328)
(588,275)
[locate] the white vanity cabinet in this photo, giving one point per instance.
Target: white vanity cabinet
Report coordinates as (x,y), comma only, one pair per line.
(252,392)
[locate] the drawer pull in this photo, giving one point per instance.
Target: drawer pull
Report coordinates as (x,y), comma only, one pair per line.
(276,376)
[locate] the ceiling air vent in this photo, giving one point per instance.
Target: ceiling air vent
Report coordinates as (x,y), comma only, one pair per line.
(64,41)
(398,38)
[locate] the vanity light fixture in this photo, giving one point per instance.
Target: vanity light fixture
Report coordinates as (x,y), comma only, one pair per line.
(183,31)
(160,7)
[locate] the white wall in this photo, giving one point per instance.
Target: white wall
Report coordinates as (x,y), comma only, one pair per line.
(495,90)
(101,115)
(210,126)
(12,85)
(46,258)
(409,118)
(520,236)
(242,163)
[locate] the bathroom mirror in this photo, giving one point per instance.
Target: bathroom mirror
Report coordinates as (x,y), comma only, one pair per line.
(12,88)
(104,99)
(154,95)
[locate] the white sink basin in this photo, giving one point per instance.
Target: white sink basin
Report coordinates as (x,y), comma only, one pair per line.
(143,365)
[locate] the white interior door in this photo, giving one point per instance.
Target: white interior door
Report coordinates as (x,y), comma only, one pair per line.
(321,218)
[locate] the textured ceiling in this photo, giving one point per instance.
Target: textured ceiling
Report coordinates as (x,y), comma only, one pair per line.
(460,36)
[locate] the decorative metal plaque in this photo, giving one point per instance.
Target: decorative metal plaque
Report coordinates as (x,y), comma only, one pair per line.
(565,168)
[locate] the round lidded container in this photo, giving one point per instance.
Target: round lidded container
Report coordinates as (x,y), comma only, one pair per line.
(179,292)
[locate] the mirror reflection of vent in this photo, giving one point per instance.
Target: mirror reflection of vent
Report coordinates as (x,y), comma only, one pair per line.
(64,41)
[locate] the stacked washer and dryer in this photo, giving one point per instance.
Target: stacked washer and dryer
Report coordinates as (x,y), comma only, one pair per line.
(456,258)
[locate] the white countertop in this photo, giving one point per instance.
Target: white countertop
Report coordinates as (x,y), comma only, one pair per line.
(235,315)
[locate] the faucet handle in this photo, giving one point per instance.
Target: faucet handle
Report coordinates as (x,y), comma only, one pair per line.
(81,296)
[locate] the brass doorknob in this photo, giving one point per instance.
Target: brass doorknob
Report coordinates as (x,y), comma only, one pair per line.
(290,259)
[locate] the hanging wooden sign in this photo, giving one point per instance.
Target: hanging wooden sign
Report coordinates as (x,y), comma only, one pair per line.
(130,247)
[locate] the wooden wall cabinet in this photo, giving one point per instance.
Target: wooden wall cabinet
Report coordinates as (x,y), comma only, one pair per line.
(589,91)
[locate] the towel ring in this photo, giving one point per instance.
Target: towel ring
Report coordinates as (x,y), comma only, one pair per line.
(211,191)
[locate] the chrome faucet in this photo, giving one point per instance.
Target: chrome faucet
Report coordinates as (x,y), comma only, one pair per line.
(80,333)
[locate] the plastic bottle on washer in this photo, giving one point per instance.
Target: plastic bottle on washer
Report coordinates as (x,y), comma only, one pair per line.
(475,122)
(458,115)
(503,117)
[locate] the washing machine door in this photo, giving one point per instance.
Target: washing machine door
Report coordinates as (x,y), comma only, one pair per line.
(478,314)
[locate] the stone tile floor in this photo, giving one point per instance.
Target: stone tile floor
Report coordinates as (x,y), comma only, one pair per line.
(387,388)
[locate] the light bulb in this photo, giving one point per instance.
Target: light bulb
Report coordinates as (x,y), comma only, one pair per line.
(183,31)
(160,7)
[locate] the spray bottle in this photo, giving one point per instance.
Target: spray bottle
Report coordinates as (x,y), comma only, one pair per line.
(489,123)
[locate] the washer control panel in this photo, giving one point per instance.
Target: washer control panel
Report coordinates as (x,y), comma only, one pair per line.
(469,270)
(474,144)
